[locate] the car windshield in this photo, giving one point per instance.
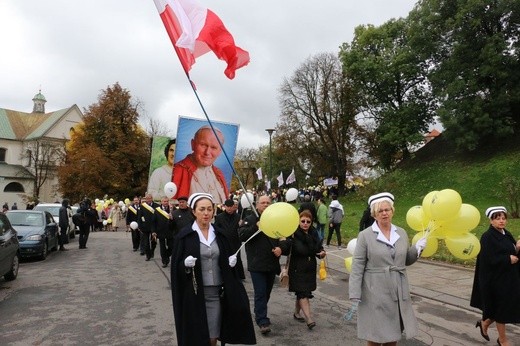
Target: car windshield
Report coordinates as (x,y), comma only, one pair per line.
(54,210)
(25,219)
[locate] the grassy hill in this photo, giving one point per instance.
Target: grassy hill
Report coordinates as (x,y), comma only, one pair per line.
(478,177)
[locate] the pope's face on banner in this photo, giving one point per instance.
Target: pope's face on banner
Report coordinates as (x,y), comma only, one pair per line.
(206,148)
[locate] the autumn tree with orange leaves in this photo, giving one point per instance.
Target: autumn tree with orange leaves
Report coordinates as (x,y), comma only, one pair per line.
(109,152)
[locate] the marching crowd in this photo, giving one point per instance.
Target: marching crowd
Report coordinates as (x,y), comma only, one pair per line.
(203,240)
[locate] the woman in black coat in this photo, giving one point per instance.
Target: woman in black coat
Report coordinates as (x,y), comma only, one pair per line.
(305,248)
(496,286)
(209,299)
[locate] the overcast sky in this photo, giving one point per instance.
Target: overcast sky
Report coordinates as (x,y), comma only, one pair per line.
(75,49)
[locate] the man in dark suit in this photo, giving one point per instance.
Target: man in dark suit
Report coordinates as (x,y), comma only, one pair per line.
(228,223)
(183,216)
(162,228)
(145,218)
(131,216)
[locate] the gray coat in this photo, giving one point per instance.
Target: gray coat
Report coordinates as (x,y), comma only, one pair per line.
(381,284)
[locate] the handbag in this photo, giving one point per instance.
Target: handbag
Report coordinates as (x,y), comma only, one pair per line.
(323,270)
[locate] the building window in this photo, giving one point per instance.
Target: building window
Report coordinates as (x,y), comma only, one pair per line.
(3,151)
(14,187)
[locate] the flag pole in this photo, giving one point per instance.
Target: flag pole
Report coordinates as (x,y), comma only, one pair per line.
(220,142)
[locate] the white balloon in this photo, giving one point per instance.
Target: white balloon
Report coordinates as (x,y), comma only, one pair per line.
(351,246)
(133,225)
(245,201)
(291,195)
(105,222)
(121,204)
(170,189)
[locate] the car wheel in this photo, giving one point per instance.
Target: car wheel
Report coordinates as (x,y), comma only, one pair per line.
(13,272)
(45,251)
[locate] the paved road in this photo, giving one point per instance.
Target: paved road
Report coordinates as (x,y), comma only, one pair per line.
(108,295)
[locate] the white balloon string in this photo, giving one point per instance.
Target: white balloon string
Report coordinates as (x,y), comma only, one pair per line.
(244,243)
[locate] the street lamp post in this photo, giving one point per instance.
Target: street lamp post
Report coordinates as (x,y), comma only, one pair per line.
(270,131)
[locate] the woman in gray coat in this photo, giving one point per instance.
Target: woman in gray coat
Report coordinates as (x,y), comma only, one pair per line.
(378,283)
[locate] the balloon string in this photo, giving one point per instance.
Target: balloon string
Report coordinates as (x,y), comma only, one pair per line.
(244,243)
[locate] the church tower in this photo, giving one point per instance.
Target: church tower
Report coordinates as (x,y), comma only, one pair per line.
(39,103)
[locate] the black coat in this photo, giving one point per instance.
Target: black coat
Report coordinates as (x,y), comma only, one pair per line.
(302,265)
(162,224)
(181,218)
(189,307)
(131,214)
(228,223)
(496,286)
(145,216)
(260,257)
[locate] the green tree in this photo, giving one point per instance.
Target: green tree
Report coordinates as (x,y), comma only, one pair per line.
(109,152)
(317,128)
(472,48)
(395,96)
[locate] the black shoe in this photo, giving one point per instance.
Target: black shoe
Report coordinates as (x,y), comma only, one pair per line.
(142,254)
(135,250)
(479,325)
(147,259)
(164,265)
(311,325)
(63,249)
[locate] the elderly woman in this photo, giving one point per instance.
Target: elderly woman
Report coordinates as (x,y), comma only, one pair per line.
(209,301)
(305,248)
(378,283)
(496,286)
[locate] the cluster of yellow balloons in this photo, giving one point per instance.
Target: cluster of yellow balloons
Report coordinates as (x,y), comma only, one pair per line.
(279,220)
(443,216)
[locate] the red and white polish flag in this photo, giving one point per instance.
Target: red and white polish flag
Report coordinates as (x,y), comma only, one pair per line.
(195,30)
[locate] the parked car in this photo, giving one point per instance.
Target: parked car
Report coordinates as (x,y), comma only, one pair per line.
(9,249)
(37,232)
(54,209)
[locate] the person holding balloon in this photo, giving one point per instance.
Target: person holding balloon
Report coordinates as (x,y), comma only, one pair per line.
(306,246)
(378,284)
(496,286)
(210,302)
(263,261)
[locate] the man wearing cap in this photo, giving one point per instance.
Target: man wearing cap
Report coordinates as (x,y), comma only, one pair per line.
(496,285)
(182,216)
(228,222)
(263,262)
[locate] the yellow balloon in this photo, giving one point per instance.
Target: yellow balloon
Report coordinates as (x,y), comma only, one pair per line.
(467,219)
(99,208)
(445,205)
(416,219)
(432,244)
(109,220)
(427,202)
(279,220)
(127,201)
(348,264)
(466,246)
